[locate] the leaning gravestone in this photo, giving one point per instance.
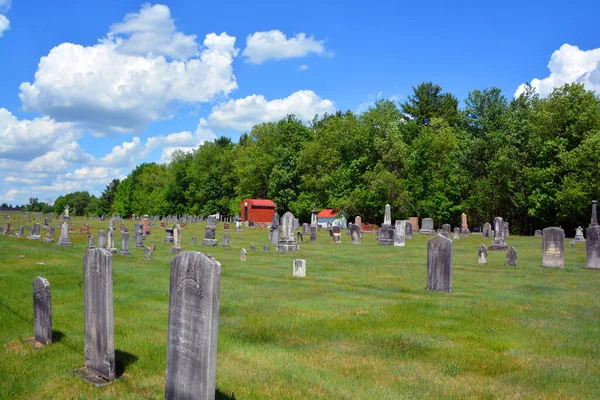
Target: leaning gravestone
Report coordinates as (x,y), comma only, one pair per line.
(287,243)
(400,234)
(42,311)
(64,235)
(99,344)
(482,255)
(125,243)
(511,257)
(193,326)
(355,234)
(592,245)
(439,264)
(427,227)
(386,233)
(299,268)
(553,247)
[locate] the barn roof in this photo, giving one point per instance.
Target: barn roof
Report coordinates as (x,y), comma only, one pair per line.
(328,213)
(262,202)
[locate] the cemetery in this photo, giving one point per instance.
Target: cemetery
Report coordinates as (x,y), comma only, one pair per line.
(387,314)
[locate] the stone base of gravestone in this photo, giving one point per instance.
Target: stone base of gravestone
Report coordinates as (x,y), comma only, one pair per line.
(210,242)
(113,250)
(427,231)
(175,250)
(47,240)
(64,241)
(34,237)
(124,252)
(287,246)
(386,235)
(91,377)
(498,244)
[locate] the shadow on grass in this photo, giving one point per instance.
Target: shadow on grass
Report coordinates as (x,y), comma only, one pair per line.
(57,336)
(123,360)
(222,396)
(13,312)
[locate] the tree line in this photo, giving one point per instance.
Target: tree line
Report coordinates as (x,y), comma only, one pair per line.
(532,160)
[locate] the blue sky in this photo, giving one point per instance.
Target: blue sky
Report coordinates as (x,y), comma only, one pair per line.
(90,89)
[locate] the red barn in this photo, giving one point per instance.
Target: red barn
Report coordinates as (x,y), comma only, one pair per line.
(257,210)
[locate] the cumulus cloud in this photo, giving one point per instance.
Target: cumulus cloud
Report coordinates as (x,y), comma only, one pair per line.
(303,67)
(569,64)
(128,80)
(4,5)
(4,24)
(242,114)
(27,139)
(263,46)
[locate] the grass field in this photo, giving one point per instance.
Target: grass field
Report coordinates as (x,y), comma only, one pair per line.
(360,325)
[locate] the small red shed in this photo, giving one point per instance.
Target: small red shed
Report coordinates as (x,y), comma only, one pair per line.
(257,210)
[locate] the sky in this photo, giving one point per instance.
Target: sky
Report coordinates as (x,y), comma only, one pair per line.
(89,90)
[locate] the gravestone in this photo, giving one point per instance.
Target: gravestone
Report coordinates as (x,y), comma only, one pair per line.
(176,248)
(274,230)
(579,234)
(487,230)
(243,255)
(193,239)
(408,230)
(456,233)
(210,232)
(64,235)
(225,226)
(463,222)
(125,243)
(148,253)
(592,245)
(35,233)
(122,227)
(42,311)
(511,257)
(305,229)
(427,227)
(336,234)
(194,293)
(414,223)
(538,233)
(91,242)
(355,234)
(446,228)
(266,247)
(499,242)
(386,233)
(252,247)
(400,234)
(439,264)
(168,235)
(299,237)
(225,240)
(299,268)
(482,255)
(287,243)
(20,232)
(99,345)
(505,230)
(553,247)
(313,233)
(443,233)
(313,225)
(358,221)
(101,240)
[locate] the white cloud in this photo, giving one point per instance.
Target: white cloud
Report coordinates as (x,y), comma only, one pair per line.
(262,46)
(152,32)
(27,139)
(303,67)
(242,114)
(125,81)
(569,64)
(4,24)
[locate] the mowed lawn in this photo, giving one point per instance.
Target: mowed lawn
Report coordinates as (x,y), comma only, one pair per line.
(361,325)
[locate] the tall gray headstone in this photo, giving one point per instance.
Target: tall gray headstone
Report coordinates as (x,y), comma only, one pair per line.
(64,235)
(355,234)
(176,248)
(387,218)
(110,240)
(138,235)
(408,225)
(386,232)
(439,264)
(553,247)
(225,240)
(400,234)
(499,242)
(456,233)
(487,230)
(287,242)
(193,326)
(592,244)
(101,240)
(210,232)
(42,311)
(125,243)
(99,345)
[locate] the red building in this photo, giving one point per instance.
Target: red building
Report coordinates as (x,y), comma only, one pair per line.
(257,210)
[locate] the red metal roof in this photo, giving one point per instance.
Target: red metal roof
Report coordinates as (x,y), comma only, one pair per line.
(328,213)
(262,202)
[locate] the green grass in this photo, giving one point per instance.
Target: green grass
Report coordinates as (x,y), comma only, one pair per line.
(360,325)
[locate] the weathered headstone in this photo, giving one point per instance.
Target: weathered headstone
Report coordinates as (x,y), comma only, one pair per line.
(305,229)
(176,248)
(20,232)
(511,257)
(148,253)
(299,268)
(427,227)
(386,233)
(300,237)
(408,230)
(505,230)
(252,247)
(487,230)
(101,240)
(42,311)
(125,243)
(110,240)
(193,239)
(35,233)
(64,235)
(538,233)
(168,235)
(355,234)
(456,233)
(287,242)
(579,234)
(439,264)
(499,242)
(210,232)
(274,230)
(446,228)
(243,255)
(482,255)
(400,234)
(99,345)
(592,244)
(553,247)
(193,326)
(225,240)
(266,247)
(336,234)
(91,242)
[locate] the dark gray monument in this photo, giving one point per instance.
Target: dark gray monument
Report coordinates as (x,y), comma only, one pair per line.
(511,257)
(275,229)
(99,345)
(439,264)
(42,311)
(386,233)
(336,234)
(139,236)
(193,326)
(313,225)
(408,225)
(553,247)
(125,243)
